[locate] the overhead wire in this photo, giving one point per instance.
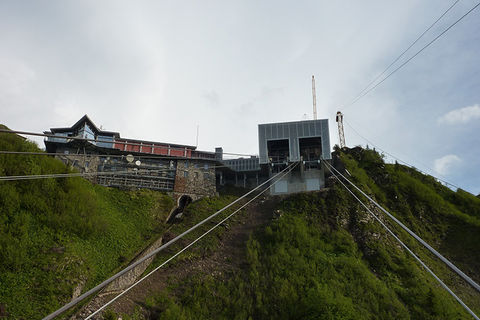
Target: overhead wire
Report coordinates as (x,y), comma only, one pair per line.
(413,234)
(76,174)
(186,247)
(27,133)
(412,57)
(408,48)
(395,157)
(85,174)
(154,252)
(134,153)
(405,246)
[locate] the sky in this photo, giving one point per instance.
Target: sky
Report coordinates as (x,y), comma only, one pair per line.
(155,70)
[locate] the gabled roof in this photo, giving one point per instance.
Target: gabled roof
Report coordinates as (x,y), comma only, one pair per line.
(83,119)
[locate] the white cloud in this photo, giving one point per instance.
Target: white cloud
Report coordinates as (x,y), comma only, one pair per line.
(444,164)
(461,115)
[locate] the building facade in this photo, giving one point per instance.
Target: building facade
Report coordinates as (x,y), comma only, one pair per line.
(129,163)
(305,142)
(241,172)
(280,144)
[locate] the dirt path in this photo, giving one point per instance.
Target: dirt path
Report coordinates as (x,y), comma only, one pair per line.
(229,257)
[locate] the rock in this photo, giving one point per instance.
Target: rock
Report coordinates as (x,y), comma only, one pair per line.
(58,249)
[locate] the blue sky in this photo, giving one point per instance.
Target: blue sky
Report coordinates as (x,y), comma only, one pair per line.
(156,69)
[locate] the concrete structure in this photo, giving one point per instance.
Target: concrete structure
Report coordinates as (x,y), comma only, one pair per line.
(306,142)
(289,141)
(187,172)
(136,163)
(280,144)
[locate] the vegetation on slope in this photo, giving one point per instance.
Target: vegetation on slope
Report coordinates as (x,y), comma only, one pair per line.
(57,234)
(448,220)
(326,258)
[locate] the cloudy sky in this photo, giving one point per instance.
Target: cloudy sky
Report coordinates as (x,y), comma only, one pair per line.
(154,70)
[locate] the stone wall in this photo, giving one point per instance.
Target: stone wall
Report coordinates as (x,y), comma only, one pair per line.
(195,178)
(119,284)
(83,163)
(129,278)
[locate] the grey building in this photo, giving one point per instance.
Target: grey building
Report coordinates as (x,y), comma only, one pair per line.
(280,144)
(306,142)
(292,141)
(241,172)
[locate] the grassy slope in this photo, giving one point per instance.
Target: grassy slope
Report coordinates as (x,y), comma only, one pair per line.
(57,233)
(325,258)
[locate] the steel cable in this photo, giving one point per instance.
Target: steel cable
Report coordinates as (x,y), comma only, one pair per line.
(164,246)
(406,248)
(185,248)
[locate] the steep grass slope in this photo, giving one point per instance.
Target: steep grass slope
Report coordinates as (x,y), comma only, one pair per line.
(59,234)
(325,257)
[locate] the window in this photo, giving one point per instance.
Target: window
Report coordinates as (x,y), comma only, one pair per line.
(185,174)
(205,175)
(310,148)
(87,163)
(196,175)
(186,164)
(278,150)
(205,166)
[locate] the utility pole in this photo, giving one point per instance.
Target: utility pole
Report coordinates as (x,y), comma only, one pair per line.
(341,134)
(314,99)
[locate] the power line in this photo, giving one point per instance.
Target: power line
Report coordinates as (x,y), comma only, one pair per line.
(114,142)
(406,163)
(104,155)
(94,155)
(412,57)
(75,174)
(164,246)
(404,227)
(186,247)
(409,47)
(406,248)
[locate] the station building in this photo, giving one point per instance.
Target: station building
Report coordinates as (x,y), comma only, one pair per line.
(131,163)
(183,170)
(280,144)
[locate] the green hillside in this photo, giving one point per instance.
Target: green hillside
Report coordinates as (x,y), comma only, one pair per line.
(56,234)
(322,257)
(325,257)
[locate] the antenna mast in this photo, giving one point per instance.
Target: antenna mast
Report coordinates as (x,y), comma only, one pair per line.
(314,99)
(196,143)
(341,134)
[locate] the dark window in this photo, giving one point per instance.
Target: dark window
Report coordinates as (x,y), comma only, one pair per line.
(310,148)
(278,150)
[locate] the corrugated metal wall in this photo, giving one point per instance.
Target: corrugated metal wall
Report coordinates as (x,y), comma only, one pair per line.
(293,131)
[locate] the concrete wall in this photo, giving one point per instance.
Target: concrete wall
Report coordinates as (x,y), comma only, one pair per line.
(298,181)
